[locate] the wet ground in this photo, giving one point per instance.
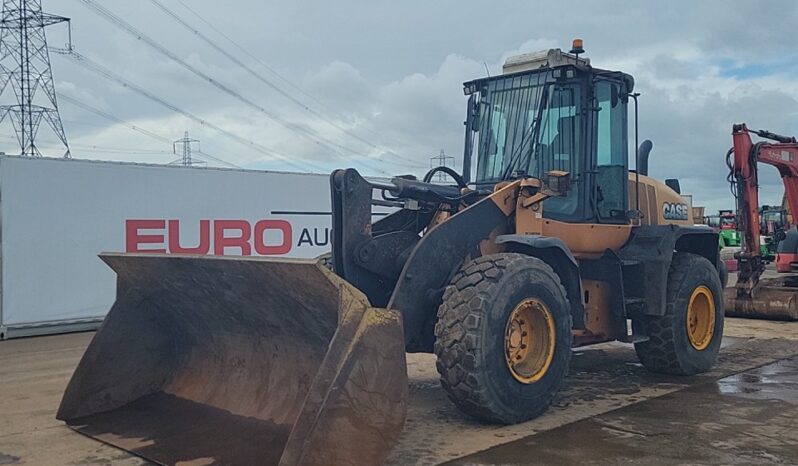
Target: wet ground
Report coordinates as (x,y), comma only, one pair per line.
(603,379)
(747,418)
(611,412)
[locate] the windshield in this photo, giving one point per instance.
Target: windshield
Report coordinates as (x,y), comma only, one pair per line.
(509,109)
(529,125)
(728,222)
(772,216)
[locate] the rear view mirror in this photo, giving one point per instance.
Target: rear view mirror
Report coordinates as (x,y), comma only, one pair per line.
(473,111)
(614,95)
(557,183)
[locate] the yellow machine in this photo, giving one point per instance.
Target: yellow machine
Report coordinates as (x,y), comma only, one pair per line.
(553,244)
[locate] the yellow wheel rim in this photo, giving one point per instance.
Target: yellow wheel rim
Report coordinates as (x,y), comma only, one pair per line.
(701,318)
(529,341)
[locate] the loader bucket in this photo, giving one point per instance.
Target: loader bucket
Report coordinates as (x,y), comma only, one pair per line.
(240,361)
(771,298)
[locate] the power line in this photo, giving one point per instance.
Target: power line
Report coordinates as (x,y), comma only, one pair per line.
(130,151)
(108,116)
(307,133)
(139,129)
(103,149)
(70,122)
(133,151)
(252,56)
(209,156)
(121,149)
(287,81)
(411,163)
(106,73)
(110,75)
(133,31)
(302,131)
(257,75)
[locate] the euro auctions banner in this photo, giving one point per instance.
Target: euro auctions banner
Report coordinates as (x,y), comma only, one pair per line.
(265,237)
(57,215)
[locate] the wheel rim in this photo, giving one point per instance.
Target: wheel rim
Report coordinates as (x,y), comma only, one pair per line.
(529,341)
(701,318)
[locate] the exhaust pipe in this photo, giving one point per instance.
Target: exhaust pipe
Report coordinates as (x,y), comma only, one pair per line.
(642,156)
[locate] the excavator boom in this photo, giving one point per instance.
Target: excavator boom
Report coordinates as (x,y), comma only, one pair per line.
(752,295)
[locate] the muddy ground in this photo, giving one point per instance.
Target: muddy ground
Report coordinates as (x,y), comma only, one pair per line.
(611,412)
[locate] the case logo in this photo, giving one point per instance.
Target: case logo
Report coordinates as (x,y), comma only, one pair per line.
(671,211)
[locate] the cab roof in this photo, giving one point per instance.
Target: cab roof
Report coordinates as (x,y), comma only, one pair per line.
(545,60)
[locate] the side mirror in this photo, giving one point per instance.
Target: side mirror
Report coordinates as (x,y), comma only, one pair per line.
(474,109)
(557,183)
(614,97)
(472,113)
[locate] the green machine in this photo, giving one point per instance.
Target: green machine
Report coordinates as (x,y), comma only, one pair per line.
(725,223)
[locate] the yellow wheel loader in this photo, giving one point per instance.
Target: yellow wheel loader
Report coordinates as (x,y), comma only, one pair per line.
(553,243)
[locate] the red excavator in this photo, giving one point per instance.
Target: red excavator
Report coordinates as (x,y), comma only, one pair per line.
(754,296)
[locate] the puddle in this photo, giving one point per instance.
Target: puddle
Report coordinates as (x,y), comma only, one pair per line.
(777,381)
(8,459)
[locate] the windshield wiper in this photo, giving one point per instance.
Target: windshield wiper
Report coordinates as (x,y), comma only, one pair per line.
(531,136)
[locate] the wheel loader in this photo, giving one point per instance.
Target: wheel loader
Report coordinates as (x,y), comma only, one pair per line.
(546,243)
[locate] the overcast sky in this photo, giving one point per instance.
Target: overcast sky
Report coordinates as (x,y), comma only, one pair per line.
(383,79)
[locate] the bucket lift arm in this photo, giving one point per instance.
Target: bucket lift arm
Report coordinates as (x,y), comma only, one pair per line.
(743,161)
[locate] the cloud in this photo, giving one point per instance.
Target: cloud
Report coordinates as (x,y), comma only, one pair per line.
(386,78)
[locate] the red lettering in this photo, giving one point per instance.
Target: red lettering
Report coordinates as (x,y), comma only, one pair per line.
(204,238)
(222,241)
(226,234)
(272,250)
(133,239)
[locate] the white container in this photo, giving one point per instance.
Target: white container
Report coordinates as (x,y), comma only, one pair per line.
(57,215)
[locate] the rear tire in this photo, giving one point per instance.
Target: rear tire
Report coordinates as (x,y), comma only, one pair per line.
(686,340)
(503,338)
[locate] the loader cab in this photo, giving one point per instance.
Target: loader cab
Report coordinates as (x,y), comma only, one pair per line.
(552,111)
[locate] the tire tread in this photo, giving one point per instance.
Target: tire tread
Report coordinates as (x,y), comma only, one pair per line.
(659,352)
(457,330)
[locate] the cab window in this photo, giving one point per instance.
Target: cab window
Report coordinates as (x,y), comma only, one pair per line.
(611,153)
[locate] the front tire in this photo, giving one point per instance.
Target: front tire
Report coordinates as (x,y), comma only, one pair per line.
(686,340)
(503,338)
